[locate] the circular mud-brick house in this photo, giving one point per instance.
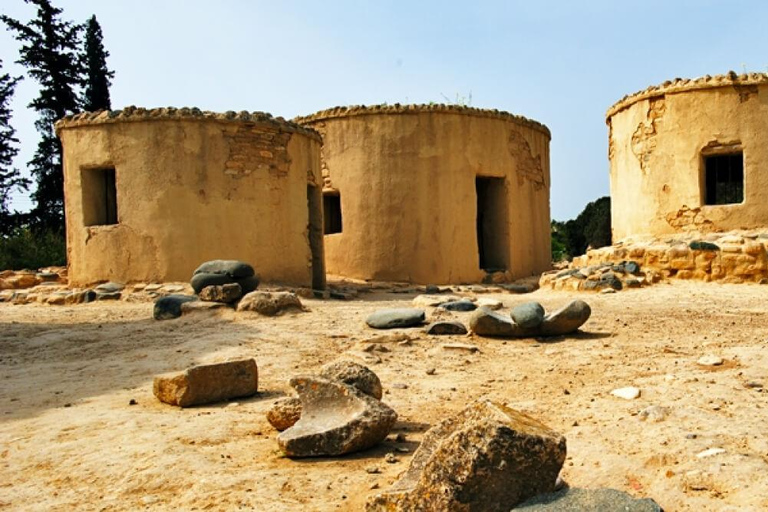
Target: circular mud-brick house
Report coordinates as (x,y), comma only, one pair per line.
(433,193)
(151,194)
(690,155)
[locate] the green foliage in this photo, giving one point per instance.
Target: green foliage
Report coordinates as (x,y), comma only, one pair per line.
(50,50)
(461,101)
(25,248)
(10,178)
(592,228)
(98,76)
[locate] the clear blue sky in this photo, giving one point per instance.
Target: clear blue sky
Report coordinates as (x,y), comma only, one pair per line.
(562,63)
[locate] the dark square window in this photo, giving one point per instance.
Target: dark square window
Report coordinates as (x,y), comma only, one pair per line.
(331,213)
(724,179)
(99,197)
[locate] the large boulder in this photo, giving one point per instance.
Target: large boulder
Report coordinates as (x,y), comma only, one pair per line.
(336,419)
(486,458)
(221,272)
(168,307)
(588,500)
(446,327)
(353,374)
(567,319)
(459,305)
(528,315)
(270,303)
(485,322)
(208,383)
(284,413)
(396,317)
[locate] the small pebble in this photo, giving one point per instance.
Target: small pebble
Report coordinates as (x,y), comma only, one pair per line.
(132,402)
(431,371)
(373,470)
(710,360)
(390,458)
(710,452)
(628,393)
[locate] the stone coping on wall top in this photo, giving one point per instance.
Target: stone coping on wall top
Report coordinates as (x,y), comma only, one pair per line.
(397,108)
(731,79)
(133,114)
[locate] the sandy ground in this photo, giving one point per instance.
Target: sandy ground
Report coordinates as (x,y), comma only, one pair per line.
(70,440)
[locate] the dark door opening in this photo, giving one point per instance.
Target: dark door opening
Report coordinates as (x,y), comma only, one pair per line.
(332,213)
(492,224)
(724,179)
(99,197)
(315,228)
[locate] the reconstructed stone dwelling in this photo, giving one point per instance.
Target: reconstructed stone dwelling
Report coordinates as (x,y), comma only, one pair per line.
(433,193)
(690,155)
(150,194)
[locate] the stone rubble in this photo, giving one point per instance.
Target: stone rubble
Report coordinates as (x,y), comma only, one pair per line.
(488,457)
(208,383)
(566,320)
(270,303)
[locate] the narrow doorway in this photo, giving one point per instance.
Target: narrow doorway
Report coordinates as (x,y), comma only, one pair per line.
(492,225)
(315,232)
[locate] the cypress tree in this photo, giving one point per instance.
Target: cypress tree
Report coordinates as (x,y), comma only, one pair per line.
(50,52)
(10,178)
(99,77)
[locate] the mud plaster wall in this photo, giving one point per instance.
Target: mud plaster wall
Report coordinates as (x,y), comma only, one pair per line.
(655,146)
(408,197)
(190,191)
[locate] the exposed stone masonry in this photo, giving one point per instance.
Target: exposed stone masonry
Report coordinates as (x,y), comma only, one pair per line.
(739,82)
(397,108)
(528,167)
(253,148)
(137,114)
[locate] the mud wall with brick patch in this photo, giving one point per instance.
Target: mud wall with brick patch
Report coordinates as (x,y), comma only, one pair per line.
(188,186)
(406,179)
(659,142)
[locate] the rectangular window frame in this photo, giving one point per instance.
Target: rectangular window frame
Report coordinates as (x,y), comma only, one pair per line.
(708,197)
(98,186)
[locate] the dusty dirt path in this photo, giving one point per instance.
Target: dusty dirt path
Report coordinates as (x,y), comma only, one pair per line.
(70,440)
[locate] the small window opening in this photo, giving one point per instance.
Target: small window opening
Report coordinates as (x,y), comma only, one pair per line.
(724,179)
(331,213)
(99,197)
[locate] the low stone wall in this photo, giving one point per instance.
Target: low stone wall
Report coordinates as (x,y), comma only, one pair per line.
(733,257)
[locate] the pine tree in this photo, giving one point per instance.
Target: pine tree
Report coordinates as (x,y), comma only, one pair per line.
(50,52)
(10,178)
(99,77)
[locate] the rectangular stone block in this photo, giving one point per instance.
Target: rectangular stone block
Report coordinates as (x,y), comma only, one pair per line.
(208,383)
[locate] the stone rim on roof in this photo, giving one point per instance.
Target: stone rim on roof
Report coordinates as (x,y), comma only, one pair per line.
(397,108)
(730,79)
(134,114)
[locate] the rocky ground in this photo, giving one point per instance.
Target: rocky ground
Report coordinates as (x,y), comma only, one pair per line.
(81,429)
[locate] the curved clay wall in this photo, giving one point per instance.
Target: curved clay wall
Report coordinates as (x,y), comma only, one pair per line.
(406,179)
(190,186)
(660,143)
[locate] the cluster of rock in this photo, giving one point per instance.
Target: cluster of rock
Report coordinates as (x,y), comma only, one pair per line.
(605,278)
(530,320)
(226,283)
(54,293)
(734,257)
(337,412)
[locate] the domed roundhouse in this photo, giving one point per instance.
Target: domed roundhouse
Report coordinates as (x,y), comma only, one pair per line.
(433,193)
(690,155)
(151,194)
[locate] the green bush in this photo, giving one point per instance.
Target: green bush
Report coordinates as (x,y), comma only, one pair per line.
(25,248)
(592,228)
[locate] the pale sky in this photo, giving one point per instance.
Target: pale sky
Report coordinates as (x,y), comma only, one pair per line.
(562,63)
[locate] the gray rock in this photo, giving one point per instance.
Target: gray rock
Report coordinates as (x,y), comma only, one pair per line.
(632,267)
(109,287)
(108,295)
(486,458)
(459,305)
(284,413)
(528,315)
(631,282)
(232,268)
(431,289)
(203,280)
(517,288)
(703,246)
(355,375)
(208,383)
(270,303)
(248,284)
(336,419)
(446,328)
(485,322)
(396,317)
(609,280)
(588,500)
(170,306)
(567,319)
(224,293)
